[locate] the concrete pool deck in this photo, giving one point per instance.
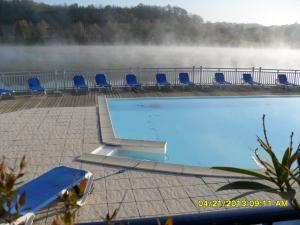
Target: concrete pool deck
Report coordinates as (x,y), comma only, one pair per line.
(56,130)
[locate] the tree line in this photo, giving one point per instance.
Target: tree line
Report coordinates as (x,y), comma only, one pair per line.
(28,22)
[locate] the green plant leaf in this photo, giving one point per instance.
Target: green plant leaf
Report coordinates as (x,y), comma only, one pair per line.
(245,194)
(283,177)
(243,171)
(286,158)
(22,199)
(23,163)
(245,185)
(295,155)
(265,146)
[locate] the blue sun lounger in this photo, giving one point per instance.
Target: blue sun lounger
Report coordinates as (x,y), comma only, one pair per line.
(282,80)
(101,81)
(185,79)
(220,79)
(132,81)
(79,82)
(4,91)
(161,80)
(35,85)
(247,78)
(46,189)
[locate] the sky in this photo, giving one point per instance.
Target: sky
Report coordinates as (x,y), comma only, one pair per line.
(265,12)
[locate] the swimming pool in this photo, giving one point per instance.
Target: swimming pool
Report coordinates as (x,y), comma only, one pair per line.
(206,131)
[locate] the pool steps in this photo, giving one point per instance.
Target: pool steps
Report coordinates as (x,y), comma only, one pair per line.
(108,136)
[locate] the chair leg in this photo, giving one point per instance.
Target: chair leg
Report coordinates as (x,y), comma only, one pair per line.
(90,179)
(26,219)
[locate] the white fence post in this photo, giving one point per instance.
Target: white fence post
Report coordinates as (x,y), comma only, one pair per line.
(193,72)
(64,77)
(259,75)
(236,76)
(201,70)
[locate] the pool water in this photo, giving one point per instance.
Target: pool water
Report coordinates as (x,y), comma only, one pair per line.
(210,131)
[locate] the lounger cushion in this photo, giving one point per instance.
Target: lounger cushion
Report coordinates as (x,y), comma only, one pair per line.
(46,189)
(34,84)
(5,91)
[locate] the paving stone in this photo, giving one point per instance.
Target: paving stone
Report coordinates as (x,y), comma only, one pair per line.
(215,187)
(147,194)
(152,208)
(176,206)
(93,212)
(126,209)
(173,192)
(198,190)
(97,198)
(190,180)
(120,196)
(120,184)
(148,182)
(214,180)
(167,181)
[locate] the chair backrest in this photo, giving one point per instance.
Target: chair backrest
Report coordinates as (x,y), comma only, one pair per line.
(131,78)
(79,80)
(184,77)
(33,82)
(282,78)
(161,77)
(219,77)
(101,79)
(247,77)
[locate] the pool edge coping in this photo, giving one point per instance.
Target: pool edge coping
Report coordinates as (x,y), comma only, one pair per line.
(162,167)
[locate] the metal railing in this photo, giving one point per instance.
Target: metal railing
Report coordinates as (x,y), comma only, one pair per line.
(63,80)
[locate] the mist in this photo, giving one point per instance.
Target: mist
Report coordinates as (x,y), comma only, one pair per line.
(97,57)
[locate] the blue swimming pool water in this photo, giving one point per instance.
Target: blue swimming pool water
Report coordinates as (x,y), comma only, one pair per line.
(213,131)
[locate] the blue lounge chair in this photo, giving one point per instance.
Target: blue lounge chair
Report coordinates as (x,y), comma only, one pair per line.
(46,189)
(161,80)
(132,81)
(4,91)
(79,82)
(185,79)
(247,78)
(282,80)
(101,81)
(35,85)
(220,79)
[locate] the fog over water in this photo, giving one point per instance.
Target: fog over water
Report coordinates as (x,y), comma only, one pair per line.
(93,58)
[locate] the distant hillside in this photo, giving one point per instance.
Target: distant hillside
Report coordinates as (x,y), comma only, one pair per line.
(27,22)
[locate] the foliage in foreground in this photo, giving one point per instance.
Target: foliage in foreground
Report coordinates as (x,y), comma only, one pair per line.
(67,215)
(10,201)
(281,176)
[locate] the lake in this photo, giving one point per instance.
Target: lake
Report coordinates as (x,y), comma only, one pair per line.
(92,58)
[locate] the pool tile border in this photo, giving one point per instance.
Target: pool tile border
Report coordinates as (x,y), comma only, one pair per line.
(156,166)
